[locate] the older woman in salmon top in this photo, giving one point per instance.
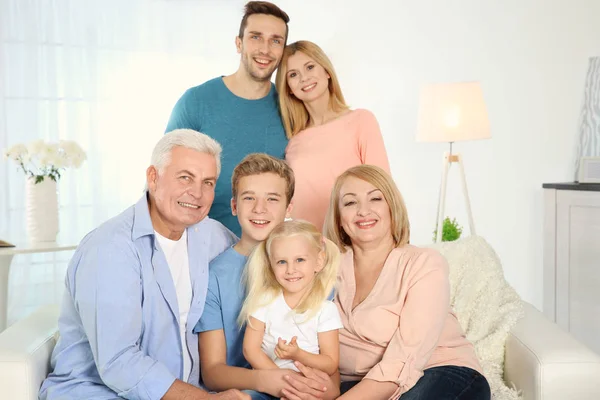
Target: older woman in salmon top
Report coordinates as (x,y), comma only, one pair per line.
(401,338)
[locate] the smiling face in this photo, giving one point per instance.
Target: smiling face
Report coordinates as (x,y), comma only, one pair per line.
(260,205)
(364,212)
(183,192)
(262,45)
(306,79)
(295,261)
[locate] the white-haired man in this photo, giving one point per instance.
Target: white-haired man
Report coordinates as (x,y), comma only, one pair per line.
(135,282)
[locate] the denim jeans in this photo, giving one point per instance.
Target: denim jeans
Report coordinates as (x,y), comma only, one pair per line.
(258,395)
(444,383)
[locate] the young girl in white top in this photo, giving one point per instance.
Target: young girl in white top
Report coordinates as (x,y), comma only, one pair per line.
(289,277)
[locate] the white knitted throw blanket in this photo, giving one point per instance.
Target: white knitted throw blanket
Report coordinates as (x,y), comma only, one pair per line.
(487,307)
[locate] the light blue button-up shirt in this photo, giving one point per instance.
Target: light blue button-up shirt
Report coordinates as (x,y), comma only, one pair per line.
(119,323)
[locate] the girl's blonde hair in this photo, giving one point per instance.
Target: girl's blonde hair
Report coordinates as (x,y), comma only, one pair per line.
(262,286)
(294,115)
(382,181)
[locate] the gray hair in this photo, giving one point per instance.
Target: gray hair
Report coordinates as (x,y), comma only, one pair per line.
(188,138)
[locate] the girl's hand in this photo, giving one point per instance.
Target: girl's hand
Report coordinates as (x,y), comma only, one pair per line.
(286,351)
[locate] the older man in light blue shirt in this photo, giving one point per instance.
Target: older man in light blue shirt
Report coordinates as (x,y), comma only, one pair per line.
(136,286)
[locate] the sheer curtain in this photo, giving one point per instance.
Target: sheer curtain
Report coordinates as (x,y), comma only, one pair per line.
(105,74)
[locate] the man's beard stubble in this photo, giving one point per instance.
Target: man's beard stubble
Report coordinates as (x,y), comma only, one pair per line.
(247,60)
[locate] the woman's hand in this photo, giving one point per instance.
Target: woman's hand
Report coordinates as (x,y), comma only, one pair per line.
(287,351)
(272,381)
(311,385)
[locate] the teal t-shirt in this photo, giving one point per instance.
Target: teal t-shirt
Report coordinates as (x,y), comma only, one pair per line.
(241,127)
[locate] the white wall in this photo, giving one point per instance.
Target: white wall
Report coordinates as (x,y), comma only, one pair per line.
(531,58)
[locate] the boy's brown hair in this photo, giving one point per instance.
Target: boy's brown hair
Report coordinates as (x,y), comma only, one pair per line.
(261,163)
(263,7)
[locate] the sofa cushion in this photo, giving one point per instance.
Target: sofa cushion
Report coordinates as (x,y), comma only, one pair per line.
(487,307)
(25,350)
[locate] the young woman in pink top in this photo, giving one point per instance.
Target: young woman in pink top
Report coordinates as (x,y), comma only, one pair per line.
(326,137)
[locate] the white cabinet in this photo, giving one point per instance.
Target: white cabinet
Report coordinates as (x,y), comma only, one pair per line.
(572,259)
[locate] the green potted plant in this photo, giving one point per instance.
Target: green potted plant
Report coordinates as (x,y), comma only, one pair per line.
(451,230)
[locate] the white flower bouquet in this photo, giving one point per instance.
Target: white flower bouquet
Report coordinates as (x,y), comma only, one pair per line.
(40,159)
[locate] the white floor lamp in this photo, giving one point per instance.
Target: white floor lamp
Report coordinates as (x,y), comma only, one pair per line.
(452,112)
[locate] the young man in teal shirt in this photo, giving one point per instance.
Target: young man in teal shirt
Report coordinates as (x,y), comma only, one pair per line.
(241,110)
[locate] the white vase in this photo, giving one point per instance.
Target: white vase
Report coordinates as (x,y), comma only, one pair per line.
(41,210)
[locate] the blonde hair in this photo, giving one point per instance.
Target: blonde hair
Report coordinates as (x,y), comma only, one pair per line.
(382,181)
(262,286)
(294,115)
(261,163)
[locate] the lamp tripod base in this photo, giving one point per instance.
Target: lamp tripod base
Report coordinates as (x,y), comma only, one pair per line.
(448,160)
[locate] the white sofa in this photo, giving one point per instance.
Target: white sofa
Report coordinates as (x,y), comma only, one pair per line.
(541,360)
(25,350)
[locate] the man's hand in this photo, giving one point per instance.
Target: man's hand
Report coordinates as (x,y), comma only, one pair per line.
(231,394)
(287,351)
(313,385)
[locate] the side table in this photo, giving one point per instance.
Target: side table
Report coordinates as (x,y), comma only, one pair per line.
(6,256)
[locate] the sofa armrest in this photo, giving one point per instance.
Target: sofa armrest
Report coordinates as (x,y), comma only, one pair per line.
(25,350)
(544,362)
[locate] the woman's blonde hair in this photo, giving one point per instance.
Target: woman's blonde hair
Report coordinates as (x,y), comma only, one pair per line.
(262,286)
(294,115)
(382,181)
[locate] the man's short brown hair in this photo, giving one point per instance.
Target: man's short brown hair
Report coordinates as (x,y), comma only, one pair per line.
(263,7)
(261,163)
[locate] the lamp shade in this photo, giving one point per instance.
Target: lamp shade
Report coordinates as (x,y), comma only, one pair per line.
(452,112)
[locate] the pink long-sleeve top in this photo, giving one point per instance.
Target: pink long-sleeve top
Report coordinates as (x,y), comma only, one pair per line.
(318,155)
(405,325)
